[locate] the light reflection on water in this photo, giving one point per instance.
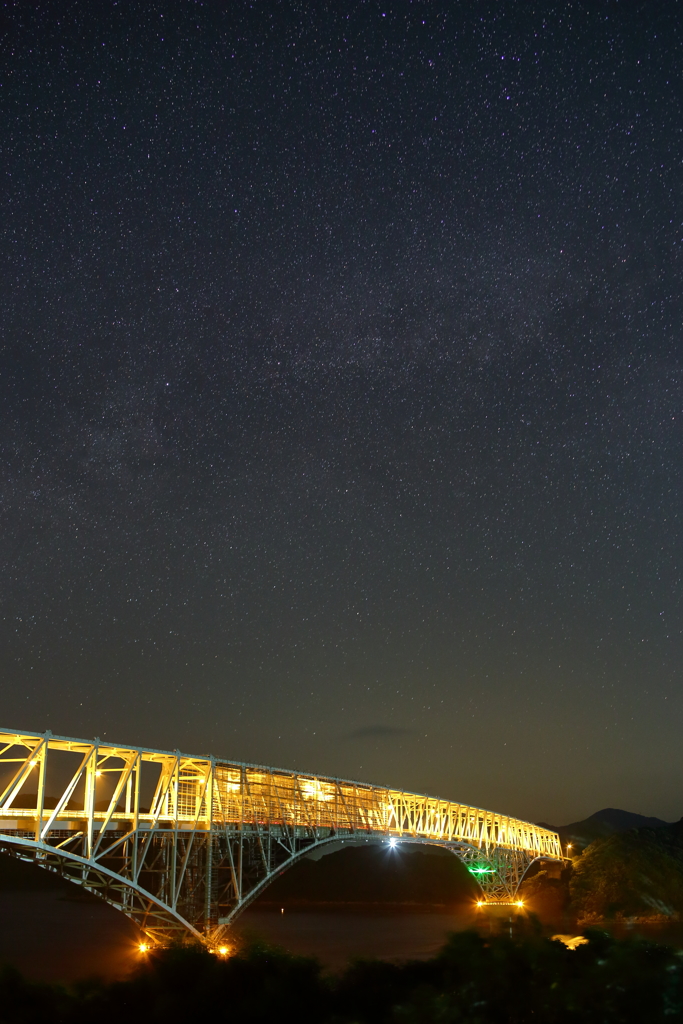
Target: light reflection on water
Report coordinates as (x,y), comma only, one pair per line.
(52,936)
(336,936)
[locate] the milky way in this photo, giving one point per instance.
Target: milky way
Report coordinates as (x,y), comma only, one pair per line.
(341,374)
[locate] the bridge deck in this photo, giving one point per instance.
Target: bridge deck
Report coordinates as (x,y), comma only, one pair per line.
(54,784)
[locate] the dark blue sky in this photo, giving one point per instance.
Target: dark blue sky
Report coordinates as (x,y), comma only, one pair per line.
(341,369)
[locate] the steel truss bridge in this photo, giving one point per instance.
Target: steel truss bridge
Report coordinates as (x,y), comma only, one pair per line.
(183,844)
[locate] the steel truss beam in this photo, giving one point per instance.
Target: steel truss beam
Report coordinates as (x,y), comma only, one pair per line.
(183,844)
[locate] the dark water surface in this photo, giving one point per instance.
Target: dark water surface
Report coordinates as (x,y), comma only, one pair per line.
(335,936)
(50,935)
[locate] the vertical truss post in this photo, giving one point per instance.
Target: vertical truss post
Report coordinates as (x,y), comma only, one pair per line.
(217,833)
(173,896)
(40,795)
(89,796)
(210,816)
(136,820)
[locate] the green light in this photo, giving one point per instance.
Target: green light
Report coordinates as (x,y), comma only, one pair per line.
(481,871)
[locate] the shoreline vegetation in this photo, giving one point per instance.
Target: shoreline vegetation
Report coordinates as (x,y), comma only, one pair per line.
(511,977)
(631,876)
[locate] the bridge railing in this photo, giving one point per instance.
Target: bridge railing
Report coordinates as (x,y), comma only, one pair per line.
(50,784)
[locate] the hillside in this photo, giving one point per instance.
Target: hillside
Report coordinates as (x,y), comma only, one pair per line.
(638,874)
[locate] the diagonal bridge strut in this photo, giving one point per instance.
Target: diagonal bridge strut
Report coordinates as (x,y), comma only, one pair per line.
(182,844)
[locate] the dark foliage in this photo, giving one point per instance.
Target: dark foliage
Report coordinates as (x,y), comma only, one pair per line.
(474,980)
(633,874)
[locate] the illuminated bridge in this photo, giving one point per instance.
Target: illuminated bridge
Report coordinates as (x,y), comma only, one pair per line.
(183,844)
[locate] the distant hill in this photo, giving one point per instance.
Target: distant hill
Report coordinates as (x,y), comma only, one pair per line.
(607,822)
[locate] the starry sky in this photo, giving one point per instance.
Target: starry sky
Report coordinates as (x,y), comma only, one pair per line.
(341,370)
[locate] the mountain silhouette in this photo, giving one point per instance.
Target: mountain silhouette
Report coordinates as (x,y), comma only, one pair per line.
(606,822)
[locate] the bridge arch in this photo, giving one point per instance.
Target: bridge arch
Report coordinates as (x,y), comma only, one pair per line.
(485,871)
(159,922)
(187,849)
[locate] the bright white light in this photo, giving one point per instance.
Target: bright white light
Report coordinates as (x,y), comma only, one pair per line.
(315,790)
(392,843)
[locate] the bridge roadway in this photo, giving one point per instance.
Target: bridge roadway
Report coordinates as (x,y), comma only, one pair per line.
(183,844)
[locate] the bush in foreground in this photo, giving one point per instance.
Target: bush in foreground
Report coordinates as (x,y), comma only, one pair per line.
(473,980)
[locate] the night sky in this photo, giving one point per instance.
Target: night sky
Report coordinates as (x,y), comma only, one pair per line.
(342,385)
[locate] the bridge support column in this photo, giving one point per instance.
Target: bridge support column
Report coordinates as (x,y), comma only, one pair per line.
(499,873)
(208,835)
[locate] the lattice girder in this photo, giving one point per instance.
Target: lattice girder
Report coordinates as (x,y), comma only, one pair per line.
(183,844)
